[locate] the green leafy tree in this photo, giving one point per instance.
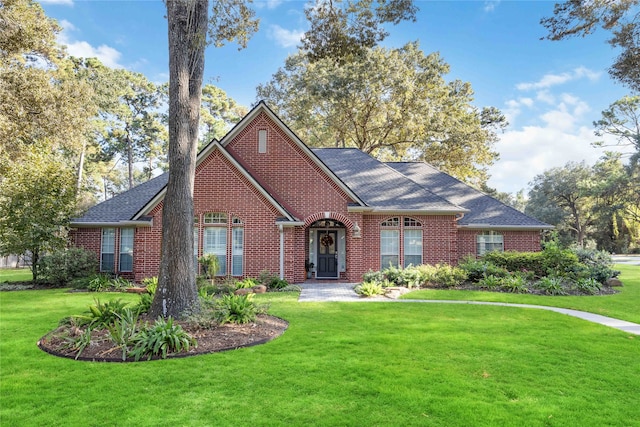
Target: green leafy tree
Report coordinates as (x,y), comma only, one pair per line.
(621,17)
(219,113)
(393,104)
(343,31)
(189,24)
(134,131)
(564,197)
(41,104)
(37,198)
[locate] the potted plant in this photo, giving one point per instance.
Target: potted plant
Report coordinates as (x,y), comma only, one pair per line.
(308,267)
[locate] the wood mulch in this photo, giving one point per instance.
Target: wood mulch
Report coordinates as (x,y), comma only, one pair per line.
(209,340)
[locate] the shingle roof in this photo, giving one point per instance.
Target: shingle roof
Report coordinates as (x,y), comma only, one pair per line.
(485,211)
(124,206)
(380,186)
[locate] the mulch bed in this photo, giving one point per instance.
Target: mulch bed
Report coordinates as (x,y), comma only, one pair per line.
(209,340)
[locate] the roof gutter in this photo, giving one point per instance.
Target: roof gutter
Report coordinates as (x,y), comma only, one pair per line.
(506,227)
(111,224)
(379,211)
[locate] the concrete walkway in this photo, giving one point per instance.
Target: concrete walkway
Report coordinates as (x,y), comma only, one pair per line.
(343,292)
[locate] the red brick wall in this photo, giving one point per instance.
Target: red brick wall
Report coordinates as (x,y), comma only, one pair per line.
(288,170)
(525,241)
(439,243)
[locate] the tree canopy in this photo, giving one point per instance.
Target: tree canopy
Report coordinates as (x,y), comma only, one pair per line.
(621,17)
(342,30)
(393,104)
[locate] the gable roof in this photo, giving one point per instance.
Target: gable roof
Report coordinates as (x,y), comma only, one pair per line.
(206,152)
(483,210)
(123,207)
(381,187)
(262,107)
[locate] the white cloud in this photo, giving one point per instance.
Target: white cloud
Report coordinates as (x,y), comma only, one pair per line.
(106,54)
(285,38)
(490,6)
(550,80)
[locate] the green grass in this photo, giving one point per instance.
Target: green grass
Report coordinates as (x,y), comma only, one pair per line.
(348,364)
(624,305)
(15,275)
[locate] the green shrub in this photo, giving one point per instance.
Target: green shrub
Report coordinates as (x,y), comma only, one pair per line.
(479,269)
(551,286)
(448,276)
(598,264)
(490,282)
(589,286)
(151,284)
(369,289)
(373,276)
(246,283)
(100,315)
(515,284)
(77,341)
(235,309)
(277,284)
(63,266)
(160,339)
(210,264)
(394,275)
(123,330)
(144,304)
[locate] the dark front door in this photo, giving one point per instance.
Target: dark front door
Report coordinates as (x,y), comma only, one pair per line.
(327,254)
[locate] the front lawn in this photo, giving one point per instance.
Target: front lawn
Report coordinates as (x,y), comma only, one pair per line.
(624,305)
(15,275)
(380,364)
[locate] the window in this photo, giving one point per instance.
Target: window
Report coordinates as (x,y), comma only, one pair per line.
(126,249)
(489,241)
(215,242)
(215,218)
(391,222)
(237,250)
(389,248)
(410,222)
(107,249)
(262,141)
(412,247)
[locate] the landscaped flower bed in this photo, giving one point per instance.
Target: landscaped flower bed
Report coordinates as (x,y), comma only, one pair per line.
(552,271)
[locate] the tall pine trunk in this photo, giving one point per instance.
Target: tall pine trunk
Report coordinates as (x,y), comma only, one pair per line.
(187,22)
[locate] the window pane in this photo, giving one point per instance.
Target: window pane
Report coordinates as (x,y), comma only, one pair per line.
(237,251)
(389,248)
(215,242)
(126,249)
(215,218)
(389,260)
(489,241)
(106,262)
(412,247)
(107,249)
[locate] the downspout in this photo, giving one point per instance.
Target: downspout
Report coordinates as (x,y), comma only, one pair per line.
(281,229)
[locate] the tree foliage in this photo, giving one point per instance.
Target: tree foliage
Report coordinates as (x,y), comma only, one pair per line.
(588,203)
(393,104)
(132,130)
(620,17)
(218,114)
(37,198)
(343,30)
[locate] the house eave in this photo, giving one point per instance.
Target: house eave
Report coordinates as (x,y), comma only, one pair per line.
(96,224)
(380,211)
(506,227)
(285,223)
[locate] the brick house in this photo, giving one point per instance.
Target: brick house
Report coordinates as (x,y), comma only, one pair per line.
(263,200)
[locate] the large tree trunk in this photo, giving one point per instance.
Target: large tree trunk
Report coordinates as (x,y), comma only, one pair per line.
(177,291)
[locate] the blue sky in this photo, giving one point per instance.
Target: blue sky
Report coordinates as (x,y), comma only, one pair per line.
(551,92)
